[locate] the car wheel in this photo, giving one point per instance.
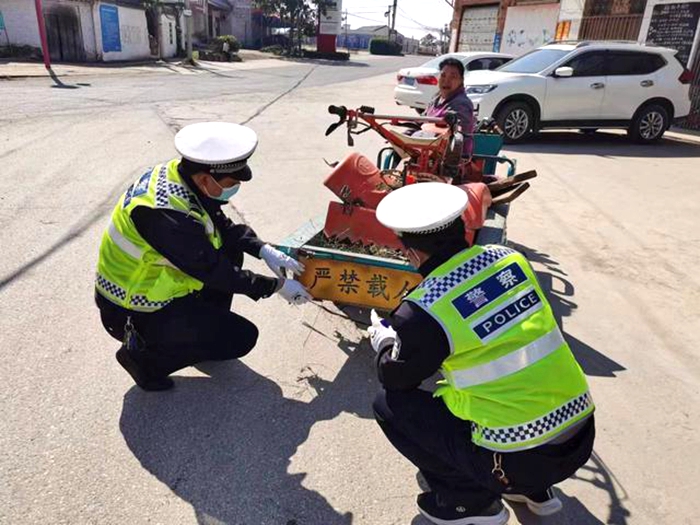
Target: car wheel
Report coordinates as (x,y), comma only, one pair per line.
(649,124)
(516,121)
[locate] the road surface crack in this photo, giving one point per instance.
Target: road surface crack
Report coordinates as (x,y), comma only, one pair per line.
(278,97)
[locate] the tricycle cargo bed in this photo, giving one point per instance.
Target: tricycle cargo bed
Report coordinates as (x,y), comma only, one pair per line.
(344,275)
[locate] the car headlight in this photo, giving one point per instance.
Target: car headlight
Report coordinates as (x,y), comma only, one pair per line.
(480,90)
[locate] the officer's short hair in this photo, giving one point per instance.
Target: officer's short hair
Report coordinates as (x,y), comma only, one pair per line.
(454,63)
(189,168)
(431,243)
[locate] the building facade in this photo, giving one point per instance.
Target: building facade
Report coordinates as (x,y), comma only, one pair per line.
(361,37)
(676,24)
(95,30)
(509,26)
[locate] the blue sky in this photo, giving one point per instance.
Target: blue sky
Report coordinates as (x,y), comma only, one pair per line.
(415,17)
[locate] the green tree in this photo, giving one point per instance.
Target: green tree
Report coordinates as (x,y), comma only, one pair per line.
(300,16)
(428,40)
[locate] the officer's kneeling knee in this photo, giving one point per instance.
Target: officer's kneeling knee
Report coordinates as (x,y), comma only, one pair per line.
(380,407)
(247,339)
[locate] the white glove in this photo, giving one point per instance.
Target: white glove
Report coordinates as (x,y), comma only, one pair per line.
(381,333)
(277,260)
(294,292)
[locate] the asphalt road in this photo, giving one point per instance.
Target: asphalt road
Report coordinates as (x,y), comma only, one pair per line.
(286,435)
(30,97)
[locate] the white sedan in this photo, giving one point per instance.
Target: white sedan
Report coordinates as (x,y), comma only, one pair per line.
(418,85)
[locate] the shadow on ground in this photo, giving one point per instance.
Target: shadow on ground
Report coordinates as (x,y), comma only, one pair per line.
(224,443)
(58,83)
(83,223)
(560,293)
(603,144)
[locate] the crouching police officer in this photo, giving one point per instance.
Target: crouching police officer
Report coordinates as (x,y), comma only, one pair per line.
(513,415)
(170,260)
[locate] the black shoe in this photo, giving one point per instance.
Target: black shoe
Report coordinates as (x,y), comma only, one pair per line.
(543,504)
(139,375)
(434,510)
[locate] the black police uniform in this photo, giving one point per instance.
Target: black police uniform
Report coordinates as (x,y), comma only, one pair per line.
(200,326)
(422,428)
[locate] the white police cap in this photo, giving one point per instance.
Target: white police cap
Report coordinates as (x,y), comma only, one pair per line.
(425,207)
(222,146)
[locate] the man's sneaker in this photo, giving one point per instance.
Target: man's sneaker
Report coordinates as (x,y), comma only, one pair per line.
(543,504)
(434,510)
(139,375)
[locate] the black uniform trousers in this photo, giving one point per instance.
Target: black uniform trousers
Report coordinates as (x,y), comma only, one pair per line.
(198,327)
(422,429)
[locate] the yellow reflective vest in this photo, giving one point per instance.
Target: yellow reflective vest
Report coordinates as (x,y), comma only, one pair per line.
(510,371)
(131,273)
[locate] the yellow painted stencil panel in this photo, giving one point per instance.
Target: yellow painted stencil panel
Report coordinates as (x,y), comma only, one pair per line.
(356,283)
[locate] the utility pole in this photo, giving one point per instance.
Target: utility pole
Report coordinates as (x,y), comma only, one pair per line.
(159,25)
(445,39)
(345,19)
(393,19)
(42,34)
(388,22)
(188,30)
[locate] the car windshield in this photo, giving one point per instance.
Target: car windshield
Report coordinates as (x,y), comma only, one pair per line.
(534,61)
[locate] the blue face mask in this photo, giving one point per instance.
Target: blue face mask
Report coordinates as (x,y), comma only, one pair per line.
(226,193)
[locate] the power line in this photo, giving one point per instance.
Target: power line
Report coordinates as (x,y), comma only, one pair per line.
(423,26)
(419,26)
(365,18)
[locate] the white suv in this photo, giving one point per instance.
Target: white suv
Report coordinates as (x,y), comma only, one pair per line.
(585,85)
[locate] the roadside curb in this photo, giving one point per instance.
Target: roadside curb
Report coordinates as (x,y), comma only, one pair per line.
(683,135)
(31,69)
(25,70)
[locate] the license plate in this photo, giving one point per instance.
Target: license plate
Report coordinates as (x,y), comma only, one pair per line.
(409,81)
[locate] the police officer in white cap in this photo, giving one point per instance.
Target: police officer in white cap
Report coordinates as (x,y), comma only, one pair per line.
(170,260)
(513,415)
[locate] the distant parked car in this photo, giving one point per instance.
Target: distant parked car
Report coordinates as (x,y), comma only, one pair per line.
(585,85)
(416,86)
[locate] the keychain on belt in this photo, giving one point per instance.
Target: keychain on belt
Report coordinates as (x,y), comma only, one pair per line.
(497,470)
(132,339)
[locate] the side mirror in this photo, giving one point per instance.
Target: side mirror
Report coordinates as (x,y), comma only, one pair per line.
(564,72)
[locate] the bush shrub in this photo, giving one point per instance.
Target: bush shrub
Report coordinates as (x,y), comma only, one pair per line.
(216,56)
(218,44)
(338,55)
(13,51)
(275,40)
(275,50)
(382,46)
(223,48)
